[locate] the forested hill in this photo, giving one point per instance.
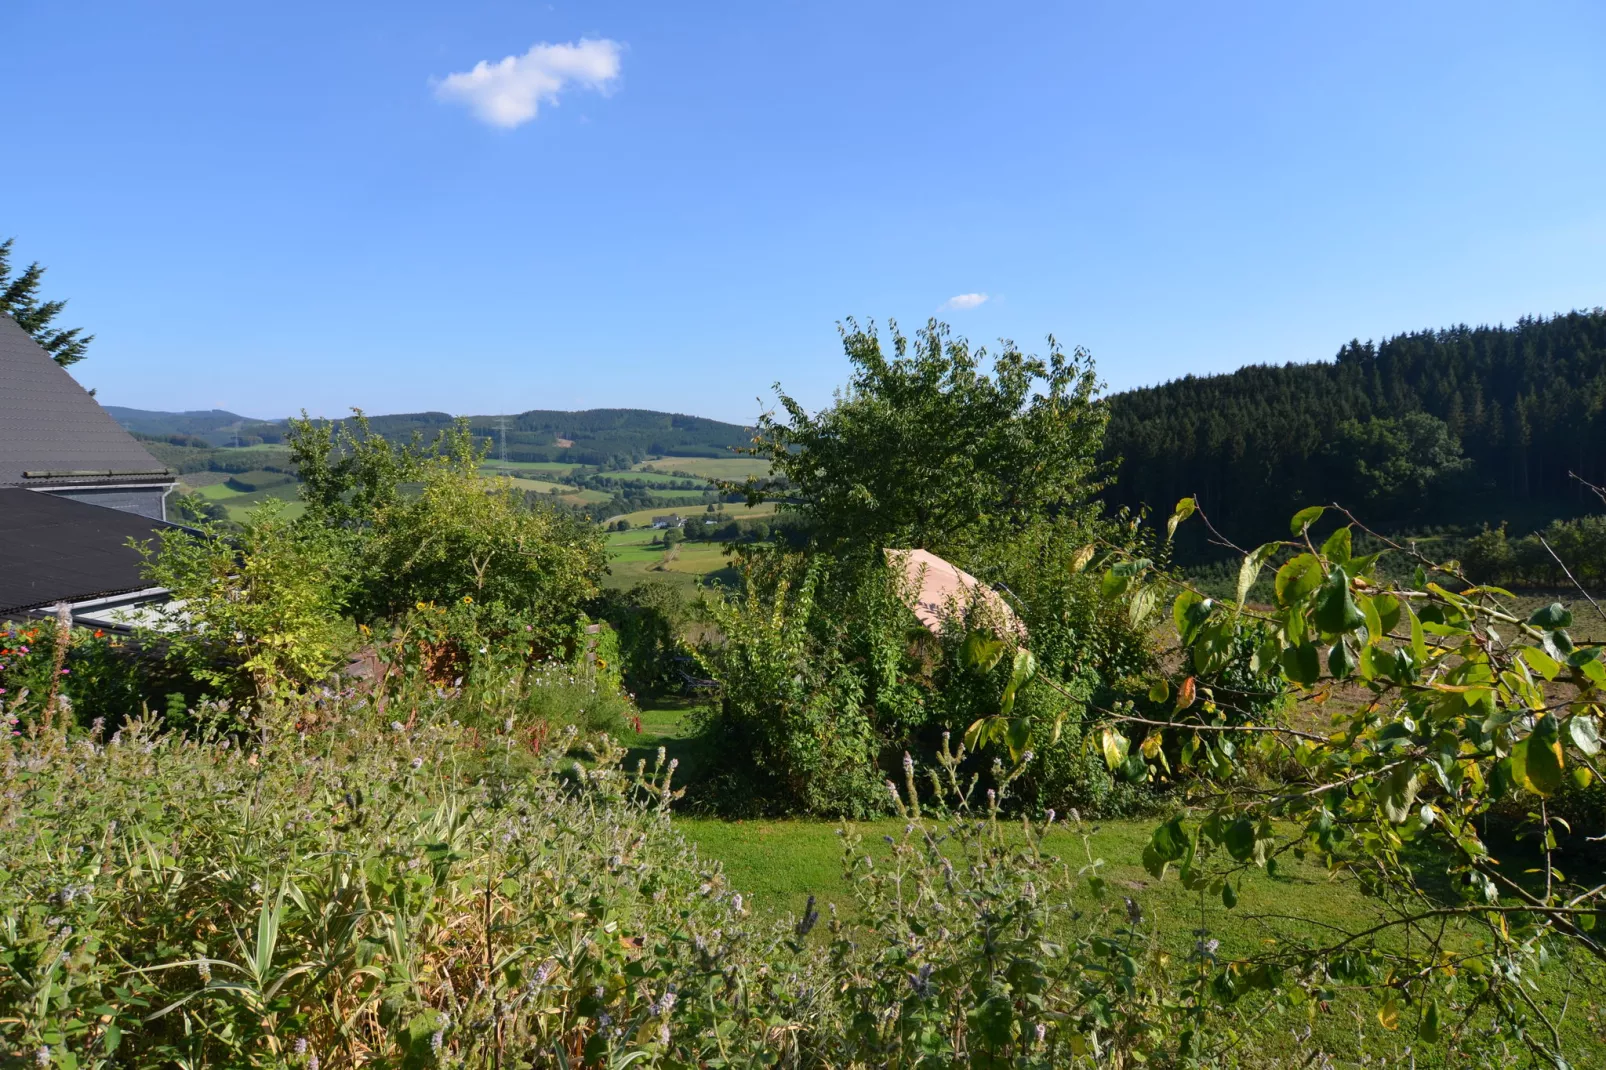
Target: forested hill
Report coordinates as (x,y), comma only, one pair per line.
(1464,425)
(591,437)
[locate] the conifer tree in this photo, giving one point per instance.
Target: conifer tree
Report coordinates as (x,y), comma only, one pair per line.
(19,298)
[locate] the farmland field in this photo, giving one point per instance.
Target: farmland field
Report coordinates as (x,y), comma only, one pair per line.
(709,467)
(642,517)
(558,468)
(632,560)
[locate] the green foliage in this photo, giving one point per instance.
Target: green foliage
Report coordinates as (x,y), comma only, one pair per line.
(1492,556)
(1372,427)
(256,612)
(648,620)
(193,509)
(1468,704)
(1396,467)
(420,525)
(792,710)
(926,449)
(19,299)
(382,903)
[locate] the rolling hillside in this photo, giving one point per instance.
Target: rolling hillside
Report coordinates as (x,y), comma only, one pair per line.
(1467,425)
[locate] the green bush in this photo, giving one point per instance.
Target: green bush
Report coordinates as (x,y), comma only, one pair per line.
(792,712)
(254,613)
(648,622)
(370,897)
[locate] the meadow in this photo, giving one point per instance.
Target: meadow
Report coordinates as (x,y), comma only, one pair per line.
(632,560)
(731,468)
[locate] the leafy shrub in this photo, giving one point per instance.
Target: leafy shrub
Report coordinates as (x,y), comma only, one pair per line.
(1492,556)
(648,621)
(255,613)
(792,712)
(378,908)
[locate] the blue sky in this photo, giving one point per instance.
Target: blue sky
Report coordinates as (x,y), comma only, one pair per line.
(269,207)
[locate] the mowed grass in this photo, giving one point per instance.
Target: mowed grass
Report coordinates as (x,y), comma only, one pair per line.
(778,864)
(709,467)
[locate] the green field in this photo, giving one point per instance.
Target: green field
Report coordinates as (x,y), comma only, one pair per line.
(633,560)
(709,467)
(566,493)
(642,517)
(558,468)
(646,476)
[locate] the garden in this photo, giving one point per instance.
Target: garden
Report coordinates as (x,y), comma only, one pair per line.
(402,781)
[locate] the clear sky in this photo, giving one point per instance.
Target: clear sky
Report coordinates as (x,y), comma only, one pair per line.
(266,207)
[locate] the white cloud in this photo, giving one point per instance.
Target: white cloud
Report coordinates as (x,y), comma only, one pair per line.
(511,91)
(963,302)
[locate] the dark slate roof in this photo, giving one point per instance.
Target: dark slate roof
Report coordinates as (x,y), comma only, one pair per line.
(50,424)
(54,549)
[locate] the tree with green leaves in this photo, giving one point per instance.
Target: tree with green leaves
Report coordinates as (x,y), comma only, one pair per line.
(928,448)
(1463,718)
(19,298)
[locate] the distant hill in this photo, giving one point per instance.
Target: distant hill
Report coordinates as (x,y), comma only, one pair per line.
(592,436)
(1465,425)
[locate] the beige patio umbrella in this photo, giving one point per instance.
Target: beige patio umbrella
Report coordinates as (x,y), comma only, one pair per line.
(936,586)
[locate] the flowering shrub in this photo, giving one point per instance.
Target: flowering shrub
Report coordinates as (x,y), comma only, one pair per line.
(358,897)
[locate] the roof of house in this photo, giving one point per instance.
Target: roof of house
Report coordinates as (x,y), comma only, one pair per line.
(54,549)
(52,432)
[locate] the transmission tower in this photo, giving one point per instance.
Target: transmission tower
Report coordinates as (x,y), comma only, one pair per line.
(501,427)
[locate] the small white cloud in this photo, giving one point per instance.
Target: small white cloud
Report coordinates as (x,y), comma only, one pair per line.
(963,302)
(511,91)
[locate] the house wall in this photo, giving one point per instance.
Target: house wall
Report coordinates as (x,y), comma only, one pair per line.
(141,501)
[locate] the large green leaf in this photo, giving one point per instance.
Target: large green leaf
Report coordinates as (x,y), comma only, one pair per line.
(1302,664)
(1337,547)
(1388,611)
(1183,511)
(1585,736)
(1143,602)
(1340,661)
(1540,662)
(1298,577)
(1180,615)
(1024,668)
(1114,745)
(1239,839)
(980,651)
(1249,570)
(1552,616)
(1336,611)
(1305,518)
(1542,758)
(1017,736)
(1397,793)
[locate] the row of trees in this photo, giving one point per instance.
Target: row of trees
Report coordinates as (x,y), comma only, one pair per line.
(1460,425)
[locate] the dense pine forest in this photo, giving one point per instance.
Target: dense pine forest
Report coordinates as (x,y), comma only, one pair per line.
(1467,425)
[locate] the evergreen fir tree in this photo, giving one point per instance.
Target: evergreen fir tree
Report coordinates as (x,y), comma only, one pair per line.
(19,298)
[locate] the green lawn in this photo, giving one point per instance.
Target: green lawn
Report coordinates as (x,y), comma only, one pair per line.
(777,864)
